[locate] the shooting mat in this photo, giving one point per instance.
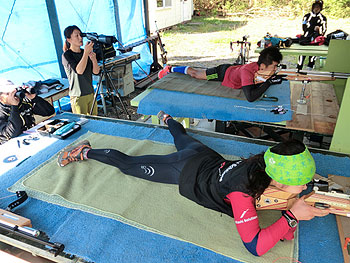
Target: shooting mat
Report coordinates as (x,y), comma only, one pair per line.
(185,83)
(103,190)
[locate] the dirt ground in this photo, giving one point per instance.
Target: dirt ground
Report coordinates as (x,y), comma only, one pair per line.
(208,49)
(211,49)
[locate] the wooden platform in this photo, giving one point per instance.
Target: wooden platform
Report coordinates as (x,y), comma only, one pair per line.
(320,112)
(318,115)
(343,224)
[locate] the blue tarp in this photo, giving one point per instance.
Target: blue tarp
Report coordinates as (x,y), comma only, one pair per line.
(32,33)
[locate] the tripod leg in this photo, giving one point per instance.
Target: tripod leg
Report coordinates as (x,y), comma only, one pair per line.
(119,98)
(95,96)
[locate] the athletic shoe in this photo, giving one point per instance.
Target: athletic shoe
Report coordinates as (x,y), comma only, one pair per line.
(73,153)
(162,116)
(164,71)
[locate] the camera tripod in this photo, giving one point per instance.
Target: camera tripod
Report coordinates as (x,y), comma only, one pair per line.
(105,74)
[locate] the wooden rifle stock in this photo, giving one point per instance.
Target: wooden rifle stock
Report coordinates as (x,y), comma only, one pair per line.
(337,203)
(276,199)
(11,218)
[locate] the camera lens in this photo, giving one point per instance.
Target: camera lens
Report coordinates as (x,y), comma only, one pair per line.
(31,90)
(20,93)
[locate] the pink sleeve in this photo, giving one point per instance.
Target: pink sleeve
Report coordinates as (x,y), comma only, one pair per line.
(258,241)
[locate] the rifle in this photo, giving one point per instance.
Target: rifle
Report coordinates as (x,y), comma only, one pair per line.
(21,227)
(337,203)
(262,75)
(163,52)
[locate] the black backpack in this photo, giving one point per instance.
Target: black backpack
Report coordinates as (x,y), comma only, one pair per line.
(337,34)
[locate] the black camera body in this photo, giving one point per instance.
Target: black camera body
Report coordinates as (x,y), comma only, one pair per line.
(21,92)
(103,45)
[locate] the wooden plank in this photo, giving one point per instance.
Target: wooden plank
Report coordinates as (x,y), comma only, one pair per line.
(57,95)
(300,121)
(344,232)
(324,107)
(343,222)
(320,112)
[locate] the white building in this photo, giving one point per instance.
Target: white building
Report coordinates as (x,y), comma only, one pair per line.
(168,12)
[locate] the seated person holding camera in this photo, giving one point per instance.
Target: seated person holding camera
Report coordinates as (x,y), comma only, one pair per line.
(17,109)
(239,76)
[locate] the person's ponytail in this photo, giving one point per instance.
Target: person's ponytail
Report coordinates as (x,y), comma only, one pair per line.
(66,46)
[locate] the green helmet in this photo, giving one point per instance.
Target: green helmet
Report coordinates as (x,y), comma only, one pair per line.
(297,169)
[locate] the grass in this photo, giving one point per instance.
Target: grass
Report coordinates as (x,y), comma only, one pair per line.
(206,25)
(204,41)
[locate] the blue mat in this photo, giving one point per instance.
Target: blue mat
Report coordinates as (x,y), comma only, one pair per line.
(189,105)
(105,240)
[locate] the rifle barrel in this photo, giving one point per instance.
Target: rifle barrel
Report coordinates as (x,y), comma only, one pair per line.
(316,73)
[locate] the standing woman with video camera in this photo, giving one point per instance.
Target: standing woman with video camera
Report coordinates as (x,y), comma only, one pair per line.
(79,65)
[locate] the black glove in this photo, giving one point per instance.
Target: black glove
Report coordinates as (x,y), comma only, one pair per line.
(275,79)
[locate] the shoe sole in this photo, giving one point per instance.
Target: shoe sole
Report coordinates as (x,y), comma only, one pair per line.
(160,115)
(68,149)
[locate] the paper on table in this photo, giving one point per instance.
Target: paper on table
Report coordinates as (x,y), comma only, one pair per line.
(17,151)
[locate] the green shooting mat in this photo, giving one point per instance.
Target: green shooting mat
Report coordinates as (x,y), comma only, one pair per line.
(185,83)
(103,190)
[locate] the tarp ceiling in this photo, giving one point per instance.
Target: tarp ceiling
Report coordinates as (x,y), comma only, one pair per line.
(32,33)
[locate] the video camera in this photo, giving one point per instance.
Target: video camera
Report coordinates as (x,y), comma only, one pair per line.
(103,45)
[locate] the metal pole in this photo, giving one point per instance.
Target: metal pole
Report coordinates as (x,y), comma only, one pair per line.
(56,34)
(302,100)
(145,10)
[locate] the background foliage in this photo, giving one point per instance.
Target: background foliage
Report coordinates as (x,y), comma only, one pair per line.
(291,8)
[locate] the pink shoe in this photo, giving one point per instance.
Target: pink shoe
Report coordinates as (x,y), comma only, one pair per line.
(164,71)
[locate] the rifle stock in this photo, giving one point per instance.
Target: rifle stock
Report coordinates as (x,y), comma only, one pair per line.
(337,203)
(276,199)
(14,219)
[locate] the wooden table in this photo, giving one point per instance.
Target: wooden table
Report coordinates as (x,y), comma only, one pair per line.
(56,94)
(318,115)
(320,112)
